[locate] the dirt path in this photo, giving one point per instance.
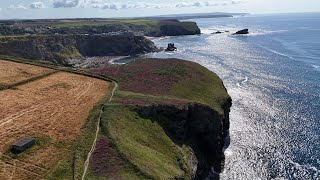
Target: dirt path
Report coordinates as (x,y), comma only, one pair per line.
(86,163)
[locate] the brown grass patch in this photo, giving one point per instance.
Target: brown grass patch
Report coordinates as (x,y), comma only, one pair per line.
(12,72)
(52,109)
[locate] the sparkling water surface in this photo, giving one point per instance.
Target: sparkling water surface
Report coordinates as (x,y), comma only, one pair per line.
(273,77)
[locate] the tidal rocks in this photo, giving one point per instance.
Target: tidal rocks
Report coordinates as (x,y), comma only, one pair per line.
(218,32)
(171,47)
(243,31)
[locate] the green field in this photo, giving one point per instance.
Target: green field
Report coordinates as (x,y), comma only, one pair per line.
(148,27)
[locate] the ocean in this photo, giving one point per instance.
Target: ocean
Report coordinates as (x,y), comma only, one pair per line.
(273,77)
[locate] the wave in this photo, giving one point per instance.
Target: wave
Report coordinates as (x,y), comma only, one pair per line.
(114,60)
(278,53)
(262,32)
(306,166)
(316,67)
(243,82)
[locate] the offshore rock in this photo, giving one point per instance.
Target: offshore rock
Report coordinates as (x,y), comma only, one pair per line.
(243,31)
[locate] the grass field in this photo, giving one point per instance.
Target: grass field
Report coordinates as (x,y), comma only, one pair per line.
(11,72)
(52,109)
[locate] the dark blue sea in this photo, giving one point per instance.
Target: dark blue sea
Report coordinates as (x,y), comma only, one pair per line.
(273,77)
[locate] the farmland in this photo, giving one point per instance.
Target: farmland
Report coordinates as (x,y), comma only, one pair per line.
(53,109)
(11,72)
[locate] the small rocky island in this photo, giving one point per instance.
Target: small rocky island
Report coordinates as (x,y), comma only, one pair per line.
(243,31)
(171,47)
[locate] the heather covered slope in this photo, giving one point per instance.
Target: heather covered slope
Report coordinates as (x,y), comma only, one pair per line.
(168,120)
(171,78)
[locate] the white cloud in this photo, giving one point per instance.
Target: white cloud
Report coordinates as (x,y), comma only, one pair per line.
(205,4)
(37,5)
(110,6)
(117,6)
(66,3)
(19,6)
(102,4)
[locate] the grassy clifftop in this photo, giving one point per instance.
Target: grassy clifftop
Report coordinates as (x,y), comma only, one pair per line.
(147,27)
(168,120)
(170,78)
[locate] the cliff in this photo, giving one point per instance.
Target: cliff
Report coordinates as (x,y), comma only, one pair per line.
(58,49)
(197,126)
(169,120)
(174,28)
(146,27)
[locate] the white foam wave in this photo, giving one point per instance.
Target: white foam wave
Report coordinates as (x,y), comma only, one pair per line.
(228,152)
(243,82)
(304,166)
(278,53)
(263,32)
(113,60)
(316,67)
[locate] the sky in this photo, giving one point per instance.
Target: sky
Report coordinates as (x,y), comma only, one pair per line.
(38,9)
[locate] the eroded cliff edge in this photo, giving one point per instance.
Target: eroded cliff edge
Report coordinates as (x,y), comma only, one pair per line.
(197,126)
(168,120)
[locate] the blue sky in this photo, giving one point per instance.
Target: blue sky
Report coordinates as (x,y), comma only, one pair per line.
(124,8)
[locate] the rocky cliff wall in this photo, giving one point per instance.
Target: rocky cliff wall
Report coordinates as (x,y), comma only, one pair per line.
(147,27)
(58,49)
(197,126)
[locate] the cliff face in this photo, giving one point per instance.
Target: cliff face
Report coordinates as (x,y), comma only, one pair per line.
(147,27)
(114,45)
(59,49)
(178,29)
(197,126)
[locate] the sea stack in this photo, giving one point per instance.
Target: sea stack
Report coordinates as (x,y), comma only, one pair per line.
(243,31)
(171,47)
